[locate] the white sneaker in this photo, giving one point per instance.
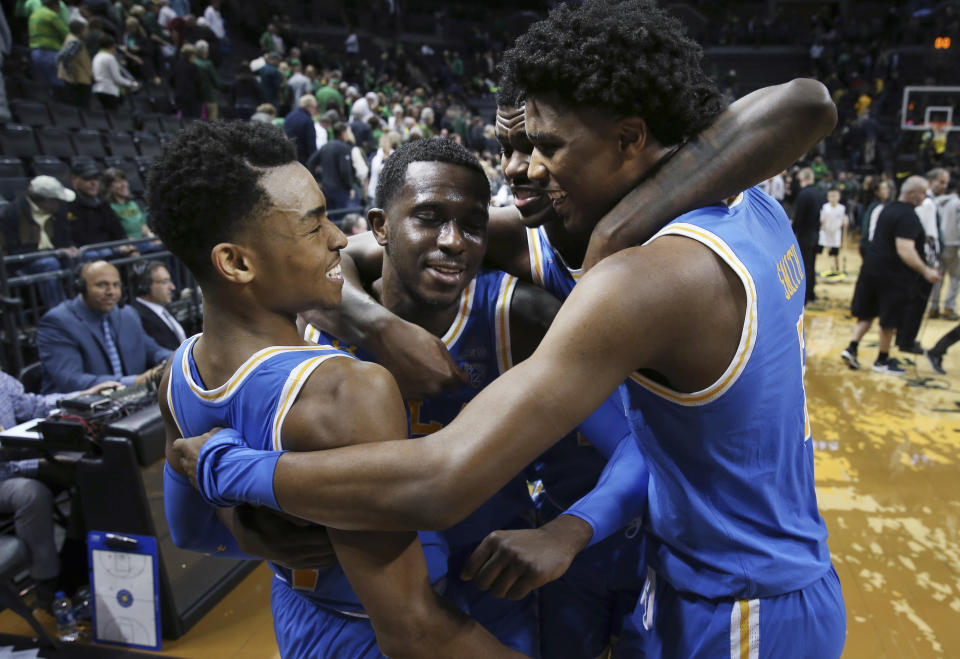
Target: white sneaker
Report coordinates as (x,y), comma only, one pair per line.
(851,358)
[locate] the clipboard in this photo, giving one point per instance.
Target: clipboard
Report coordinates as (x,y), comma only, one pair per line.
(124,589)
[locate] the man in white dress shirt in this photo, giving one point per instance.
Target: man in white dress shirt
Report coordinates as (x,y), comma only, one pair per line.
(154,291)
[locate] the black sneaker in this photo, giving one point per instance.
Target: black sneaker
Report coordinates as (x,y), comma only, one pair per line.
(936,362)
(889,367)
(915,349)
(851,358)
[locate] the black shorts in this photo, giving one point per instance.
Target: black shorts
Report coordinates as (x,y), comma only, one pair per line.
(879,297)
(833,250)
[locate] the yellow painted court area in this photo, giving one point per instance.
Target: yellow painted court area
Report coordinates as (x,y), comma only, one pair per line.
(887,453)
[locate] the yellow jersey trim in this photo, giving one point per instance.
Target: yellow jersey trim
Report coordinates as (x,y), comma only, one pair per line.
(536,255)
(748,336)
(745,629)
(463,315)
(228,388)
(502,320)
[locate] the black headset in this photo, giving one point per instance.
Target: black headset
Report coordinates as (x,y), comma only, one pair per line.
(143,277)
(79,283)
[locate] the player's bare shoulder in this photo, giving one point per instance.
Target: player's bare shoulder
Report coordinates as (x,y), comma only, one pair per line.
(345,401)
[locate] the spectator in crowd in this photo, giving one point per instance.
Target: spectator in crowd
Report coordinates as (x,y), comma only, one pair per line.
(352,44)
(883,287)
(270,40)
(299,126)
(108,77)
(938,180)
(95,34)
(23,492)
(266,113)
(166,13)
(271,80)
(181,7)
(91,218)
(868,221)
(362,133)
(214,19)
(427,123)
(833,222)
(361,170)
(329,97)
(337,176)
(89,339)
(353,223)
(154,292)
(186,83)
(74,67)
(115,190)
(948,206)
(299,84)
(209,80)
(47,31)
(37,221)
(806,226)
(388,142)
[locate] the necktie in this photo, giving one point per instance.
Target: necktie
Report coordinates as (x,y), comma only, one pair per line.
(112,354)
(174,326)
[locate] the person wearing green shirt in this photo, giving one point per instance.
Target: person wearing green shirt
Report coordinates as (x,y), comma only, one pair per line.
(47,33)
(329,97)
(26,8)
(115,189)
(209,80)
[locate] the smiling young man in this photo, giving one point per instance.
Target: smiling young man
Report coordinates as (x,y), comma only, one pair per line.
(705,321)
(232,202)
(431,222)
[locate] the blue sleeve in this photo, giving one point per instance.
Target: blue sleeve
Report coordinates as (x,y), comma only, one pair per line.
(230,473)
(620,494)
(193,524)
(604,428)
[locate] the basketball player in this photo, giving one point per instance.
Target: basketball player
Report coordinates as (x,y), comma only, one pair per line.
(705,320)
(435,237)
(231,201)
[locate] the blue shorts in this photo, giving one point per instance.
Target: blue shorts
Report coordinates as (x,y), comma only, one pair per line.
(514,623)
(306,630)
(811,622)
(583,612)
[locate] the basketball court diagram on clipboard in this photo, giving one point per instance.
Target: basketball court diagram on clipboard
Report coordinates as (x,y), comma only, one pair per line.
(123,576)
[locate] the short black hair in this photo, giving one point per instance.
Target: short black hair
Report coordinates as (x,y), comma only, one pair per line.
(107,42)
(626,57)
(435,149)
(508,94)
(206,182)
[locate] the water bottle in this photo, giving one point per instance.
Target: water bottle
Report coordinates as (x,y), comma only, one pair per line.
(81,604)
(66,622)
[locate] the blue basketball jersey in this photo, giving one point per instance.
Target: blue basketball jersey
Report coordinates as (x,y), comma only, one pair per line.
(732,507)
(479,341)
(255,401)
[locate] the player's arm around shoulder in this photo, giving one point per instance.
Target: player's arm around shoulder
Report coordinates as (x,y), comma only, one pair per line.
(532,311)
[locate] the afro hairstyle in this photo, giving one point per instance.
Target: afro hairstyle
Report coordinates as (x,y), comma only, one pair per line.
(625,57)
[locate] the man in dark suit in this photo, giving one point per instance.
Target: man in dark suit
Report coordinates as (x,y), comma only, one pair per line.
(806,225)
(154,292)
(299,126)
(337,168)
(88,340)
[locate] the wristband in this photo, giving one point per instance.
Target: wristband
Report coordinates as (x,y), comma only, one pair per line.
(230,473)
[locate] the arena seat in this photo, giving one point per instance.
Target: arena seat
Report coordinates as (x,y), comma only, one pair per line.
(29,113)
(66,116)
(88,143)
(150,121)
(51,166)
(121,121)
(34,91)
(55,142)
(148,143)
(170,124)
(96,119)
(18,140)
(10,166)
(121,144)
(13,186)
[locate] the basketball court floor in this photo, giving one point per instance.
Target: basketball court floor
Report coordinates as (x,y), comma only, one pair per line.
(887,453)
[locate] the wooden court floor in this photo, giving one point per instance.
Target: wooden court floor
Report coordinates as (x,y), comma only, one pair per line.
(887,453)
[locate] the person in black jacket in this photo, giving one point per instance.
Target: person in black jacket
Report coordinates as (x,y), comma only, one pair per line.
(91,219)
(806,226)
(334,158)
(299,126)
(154,291)
(186,83)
